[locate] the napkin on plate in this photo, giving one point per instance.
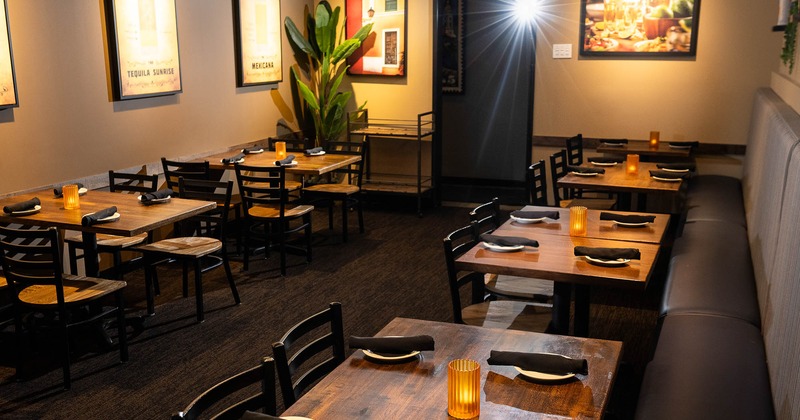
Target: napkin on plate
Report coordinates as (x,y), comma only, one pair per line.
(607,253)
(582,170)
(58,192)
(627,218)
(692,144)
(22,206)
(615,141)
(255,415)
(508,240)
(668,174)
(539,362)
(95,217)
(526,214)
(148,198)
(677,166)
(286,161)
(254,149)
(313,150)
(603,159)
(393,345)
(233,159)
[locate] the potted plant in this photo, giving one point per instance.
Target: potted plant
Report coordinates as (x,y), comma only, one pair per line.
(322,56)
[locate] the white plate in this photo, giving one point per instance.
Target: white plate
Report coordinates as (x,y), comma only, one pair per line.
(604,163)
(294,418)
(111,218)
(526,221)
(501,248)
(157,200)
(615,144)
(541,376)
(609,263)
(82,191)
(317,154)
(674,170)
(253,152)
(35,209)
(584,174)
(631,224)
(675,146)
(667,179)
(292,163)
(393,358)
(231,163)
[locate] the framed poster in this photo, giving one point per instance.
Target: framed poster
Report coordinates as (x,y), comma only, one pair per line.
(8,82)
(257,40)
(143,48)
(639,28)
(383,53)
(452,56)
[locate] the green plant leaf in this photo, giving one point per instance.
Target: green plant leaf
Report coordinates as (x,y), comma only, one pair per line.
(363,33)
(322,28)
(308,95)
(296,38)
(345,49)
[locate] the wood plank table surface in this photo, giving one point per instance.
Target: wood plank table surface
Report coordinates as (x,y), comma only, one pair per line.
(134,219)
(643,148)
(616,180)
(360,388)
(306,165)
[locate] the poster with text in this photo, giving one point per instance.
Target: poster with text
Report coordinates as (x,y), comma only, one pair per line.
(258,42)
(8,86)
(383,53)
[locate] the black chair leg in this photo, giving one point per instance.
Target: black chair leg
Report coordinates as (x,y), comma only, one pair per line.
(330,215)
(360,216)
(73,259)
(344,219)
(307,221)
(65,360)
(232,283)
(122,339)
(198,290)
(185,277)
(149,274)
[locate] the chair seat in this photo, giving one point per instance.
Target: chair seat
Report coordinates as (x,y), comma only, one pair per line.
(293,185)
(193,246)
(590,203)
(273,212)
(110,241)
(508,314)
(344,189)
(77,290)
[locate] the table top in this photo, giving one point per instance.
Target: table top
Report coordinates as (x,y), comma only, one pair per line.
(615,179)
(307,165)
(603,229)
(554,259)
(135,218)
(642,147)
(359,388)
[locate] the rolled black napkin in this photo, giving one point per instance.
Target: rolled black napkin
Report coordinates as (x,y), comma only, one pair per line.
(233,159)
(58,192)
(254,149)
(668,174)
(553,364)
(627,218)
(286,161)
(692,144)
(508,240)
(313,150)
(93,218)
(254,415)
(148,198)
(677,166)
(22,205)
(607,253)
(603,159)
(523,214)
(582,170)
(615,142)
(393,345)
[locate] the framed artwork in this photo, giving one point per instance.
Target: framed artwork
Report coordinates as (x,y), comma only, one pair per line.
(257,41)
(383,53)
(143,48)
(452,56)
(8,82)
(639,28)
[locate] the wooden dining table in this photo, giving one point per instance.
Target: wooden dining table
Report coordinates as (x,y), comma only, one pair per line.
(643,148)
(306,165)
(363,388)
(135,218)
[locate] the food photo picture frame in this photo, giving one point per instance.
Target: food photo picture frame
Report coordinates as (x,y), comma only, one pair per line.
(639,28)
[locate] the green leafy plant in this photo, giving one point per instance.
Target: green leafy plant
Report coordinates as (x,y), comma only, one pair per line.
(790,38)
(322,56)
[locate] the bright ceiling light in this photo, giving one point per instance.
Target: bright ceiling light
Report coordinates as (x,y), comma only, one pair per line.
(526,10)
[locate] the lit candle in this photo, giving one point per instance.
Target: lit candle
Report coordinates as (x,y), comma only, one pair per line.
(464,389)
(577,221)
(280,150)
(71,200)
(632,165)
(654,137)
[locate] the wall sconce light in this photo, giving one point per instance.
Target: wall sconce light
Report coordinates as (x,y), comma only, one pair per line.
(464,389)
(654,137)
(577,221)
(71,200)
(632,165)
(280,150)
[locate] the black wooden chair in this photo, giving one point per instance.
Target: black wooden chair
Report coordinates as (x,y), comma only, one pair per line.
(263,400)
(32,265)
(486,216)
(536,183)
(575,150)
(327,344)
(564,197)
(295,143)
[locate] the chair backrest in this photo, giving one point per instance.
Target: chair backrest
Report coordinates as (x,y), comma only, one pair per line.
(558,168)
(486,216)
(263,401)
(294,142)
(575,150)
(132,183)
(262,186)
(190,170)
(288,362)
(213,220)
(32,257)
(355,171)
(537,184)
(456,244)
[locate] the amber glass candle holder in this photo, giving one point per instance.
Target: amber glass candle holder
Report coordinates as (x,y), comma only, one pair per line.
(280,150)
(71,200)
(464,389)
(632,165)
(577,221)
(654,138)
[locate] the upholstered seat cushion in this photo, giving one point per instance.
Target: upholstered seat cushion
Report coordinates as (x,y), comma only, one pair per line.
(716,198)
(110,241)
(704,367)
(711,273)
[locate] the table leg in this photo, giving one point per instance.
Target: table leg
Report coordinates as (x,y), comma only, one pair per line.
(581,328)
(90,254)
(562,292)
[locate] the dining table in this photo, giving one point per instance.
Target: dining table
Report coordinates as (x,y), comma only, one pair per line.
(306,164)
(417,387)
(664,150)
(134,217)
